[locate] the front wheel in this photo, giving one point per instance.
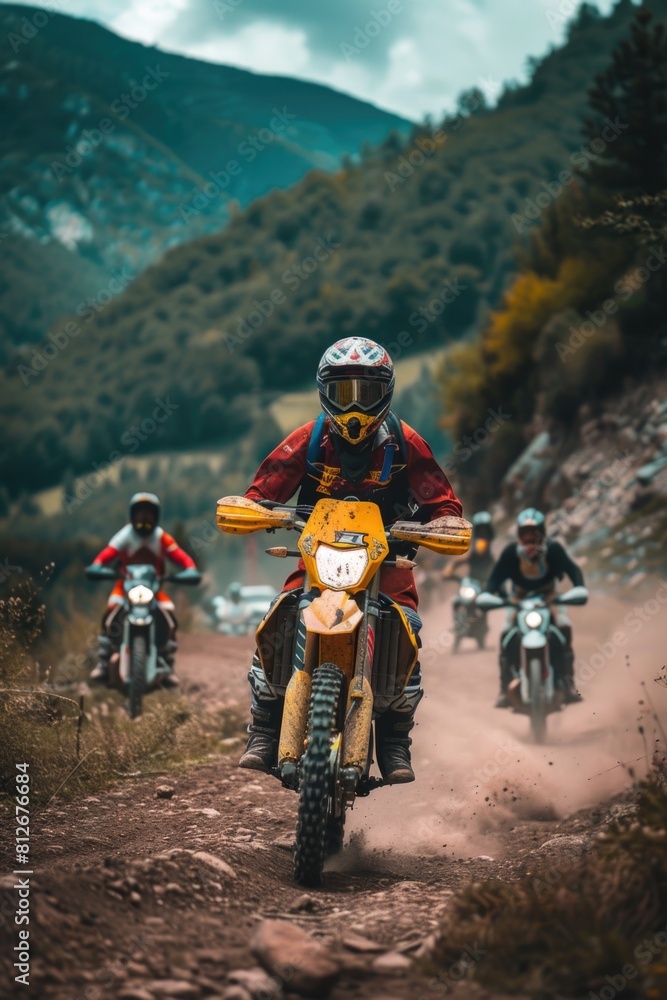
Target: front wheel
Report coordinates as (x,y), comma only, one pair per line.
(538,709)
(316,825)
(138,657)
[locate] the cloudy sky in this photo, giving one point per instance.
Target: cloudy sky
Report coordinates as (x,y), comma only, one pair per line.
(408,56)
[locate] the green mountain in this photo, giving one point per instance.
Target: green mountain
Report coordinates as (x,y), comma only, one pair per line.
(115,152)
(411,246)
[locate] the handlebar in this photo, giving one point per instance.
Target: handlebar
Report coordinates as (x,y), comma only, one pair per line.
(573,596)
(188,576)
(302,511)
(99,572)
(448,534)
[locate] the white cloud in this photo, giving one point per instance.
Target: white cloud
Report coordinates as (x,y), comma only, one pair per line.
(145,21)
(426,55)
(262,47)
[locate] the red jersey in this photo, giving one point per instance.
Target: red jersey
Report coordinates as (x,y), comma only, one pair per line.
(130,548)
(403,478)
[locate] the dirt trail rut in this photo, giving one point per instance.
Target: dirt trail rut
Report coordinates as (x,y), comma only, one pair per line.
(138,896)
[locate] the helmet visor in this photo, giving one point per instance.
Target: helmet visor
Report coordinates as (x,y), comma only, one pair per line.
(530,533)
(361,393)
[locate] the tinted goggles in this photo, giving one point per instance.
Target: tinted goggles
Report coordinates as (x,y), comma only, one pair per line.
(359,392)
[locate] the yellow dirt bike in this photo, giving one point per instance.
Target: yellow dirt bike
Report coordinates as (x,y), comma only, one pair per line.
(337,651)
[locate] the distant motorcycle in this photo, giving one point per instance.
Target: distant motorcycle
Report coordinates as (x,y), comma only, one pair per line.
(469,619)
(138,669)
(533,690)
(243,615)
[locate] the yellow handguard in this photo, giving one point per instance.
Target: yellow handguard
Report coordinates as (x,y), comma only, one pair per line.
(241,516)
(449,536)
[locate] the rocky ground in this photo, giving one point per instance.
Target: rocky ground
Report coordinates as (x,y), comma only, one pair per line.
(181,886)
(607,492)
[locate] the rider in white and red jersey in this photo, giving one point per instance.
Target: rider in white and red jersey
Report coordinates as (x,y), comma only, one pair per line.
(143,541)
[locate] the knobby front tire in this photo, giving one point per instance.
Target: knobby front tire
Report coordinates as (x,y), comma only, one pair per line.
(138,657)
(538,708)
(316,825)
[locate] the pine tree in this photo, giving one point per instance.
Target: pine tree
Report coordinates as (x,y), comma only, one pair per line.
(629,102)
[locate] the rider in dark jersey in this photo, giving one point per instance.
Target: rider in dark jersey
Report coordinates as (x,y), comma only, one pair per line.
(533,565)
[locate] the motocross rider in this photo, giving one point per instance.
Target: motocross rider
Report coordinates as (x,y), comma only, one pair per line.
(356,448)
(478,558)
(533,564)
(143,541)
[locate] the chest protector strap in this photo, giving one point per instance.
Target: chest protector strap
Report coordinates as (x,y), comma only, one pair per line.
(391,448)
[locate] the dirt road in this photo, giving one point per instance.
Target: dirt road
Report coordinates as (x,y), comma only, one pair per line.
(137,896)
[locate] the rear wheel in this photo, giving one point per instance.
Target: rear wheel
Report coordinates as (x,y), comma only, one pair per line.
(538,709)
(138,656)
(317,829)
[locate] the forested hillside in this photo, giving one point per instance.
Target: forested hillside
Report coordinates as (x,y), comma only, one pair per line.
(586,316)
(412,246)
(116,151)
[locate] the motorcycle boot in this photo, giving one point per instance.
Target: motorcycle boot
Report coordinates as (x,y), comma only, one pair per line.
(100,673)
(261,752)
(505,678)
(571,695)
(392,740)
(562,655)
(167,654)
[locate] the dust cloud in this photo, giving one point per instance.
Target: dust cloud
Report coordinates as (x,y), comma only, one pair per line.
(478,771)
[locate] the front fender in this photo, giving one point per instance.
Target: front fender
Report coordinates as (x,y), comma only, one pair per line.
(139,620)
(534,640)
(332,612)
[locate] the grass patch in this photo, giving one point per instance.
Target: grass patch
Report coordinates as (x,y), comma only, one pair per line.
(75,747)
(577,927)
